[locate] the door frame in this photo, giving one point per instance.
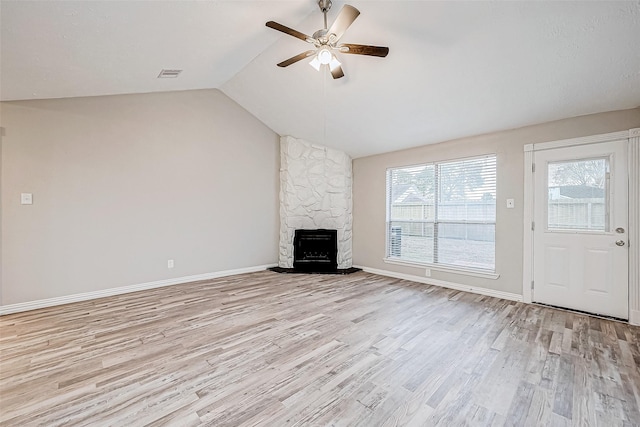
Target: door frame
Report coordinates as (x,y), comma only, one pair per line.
(633,154)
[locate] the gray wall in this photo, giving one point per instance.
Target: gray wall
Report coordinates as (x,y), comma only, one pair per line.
(369,191)
(121,184)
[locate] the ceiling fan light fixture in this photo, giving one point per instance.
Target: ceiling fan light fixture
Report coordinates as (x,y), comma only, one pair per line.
(315,63)
(325,56)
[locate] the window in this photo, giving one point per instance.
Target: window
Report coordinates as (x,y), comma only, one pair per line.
(443,214)
(578,195)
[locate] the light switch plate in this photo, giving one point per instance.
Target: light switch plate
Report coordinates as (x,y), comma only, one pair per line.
(26,199)
(511,203)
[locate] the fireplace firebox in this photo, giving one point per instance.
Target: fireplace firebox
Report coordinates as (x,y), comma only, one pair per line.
(315,250)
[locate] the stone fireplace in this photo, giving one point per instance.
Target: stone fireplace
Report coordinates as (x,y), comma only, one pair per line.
(315,193)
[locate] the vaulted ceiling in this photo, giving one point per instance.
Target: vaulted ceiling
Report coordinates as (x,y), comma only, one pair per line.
(454,69)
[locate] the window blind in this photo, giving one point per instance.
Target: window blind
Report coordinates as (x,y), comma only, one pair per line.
(443,213)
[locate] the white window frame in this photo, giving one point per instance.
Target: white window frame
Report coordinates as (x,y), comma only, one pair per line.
(464,270)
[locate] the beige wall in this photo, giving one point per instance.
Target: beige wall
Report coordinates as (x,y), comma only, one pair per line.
(121,184)
(369,191)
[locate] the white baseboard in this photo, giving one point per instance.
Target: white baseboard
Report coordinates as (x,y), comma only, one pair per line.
(49,302)
(444,284)
(634,317)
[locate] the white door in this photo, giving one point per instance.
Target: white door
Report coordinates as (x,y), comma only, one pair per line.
(580,239)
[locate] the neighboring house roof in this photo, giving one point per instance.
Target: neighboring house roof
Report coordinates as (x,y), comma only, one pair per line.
(407,194)
(579,191)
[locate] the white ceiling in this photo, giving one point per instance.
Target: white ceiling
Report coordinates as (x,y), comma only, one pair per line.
(454,69)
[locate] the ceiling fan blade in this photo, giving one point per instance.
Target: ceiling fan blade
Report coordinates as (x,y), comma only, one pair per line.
(362,49)
(296,58)
(290,31)
(345,18)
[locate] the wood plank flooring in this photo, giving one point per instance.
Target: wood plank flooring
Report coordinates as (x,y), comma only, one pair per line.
(273,349)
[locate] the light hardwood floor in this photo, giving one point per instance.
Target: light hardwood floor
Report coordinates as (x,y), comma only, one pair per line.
(275,349)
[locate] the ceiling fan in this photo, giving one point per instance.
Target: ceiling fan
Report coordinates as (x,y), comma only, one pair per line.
(326,41)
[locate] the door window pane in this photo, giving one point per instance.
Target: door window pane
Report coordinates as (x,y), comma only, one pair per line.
(578,195)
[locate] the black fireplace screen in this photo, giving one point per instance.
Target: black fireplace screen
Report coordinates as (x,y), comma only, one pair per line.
(315,250)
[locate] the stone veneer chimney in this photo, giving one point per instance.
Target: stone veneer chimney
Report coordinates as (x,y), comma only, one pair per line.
(315,192)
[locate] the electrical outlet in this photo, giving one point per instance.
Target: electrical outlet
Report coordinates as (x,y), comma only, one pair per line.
(170,263)
(26,198)
(427,272)
(511,203)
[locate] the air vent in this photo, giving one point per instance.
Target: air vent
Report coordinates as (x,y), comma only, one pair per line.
(169,74)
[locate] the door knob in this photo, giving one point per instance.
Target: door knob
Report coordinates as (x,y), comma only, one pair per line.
(620,242)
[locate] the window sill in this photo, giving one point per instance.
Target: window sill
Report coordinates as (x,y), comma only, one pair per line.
(462,271)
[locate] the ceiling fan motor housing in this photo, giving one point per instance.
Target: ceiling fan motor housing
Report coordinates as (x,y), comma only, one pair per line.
(321,36)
